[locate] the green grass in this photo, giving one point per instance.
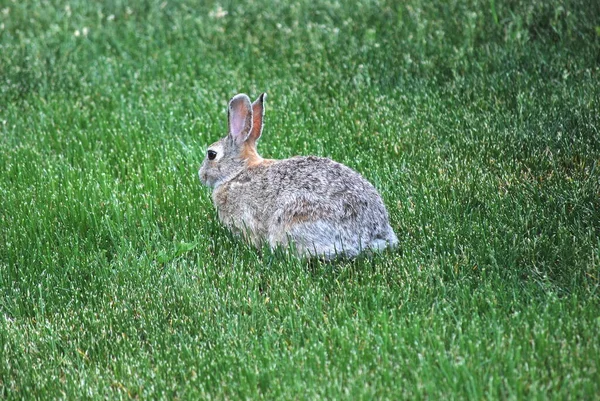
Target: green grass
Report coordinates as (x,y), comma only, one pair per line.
(478,120)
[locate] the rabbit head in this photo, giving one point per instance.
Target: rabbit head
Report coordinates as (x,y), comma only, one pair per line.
(237,151)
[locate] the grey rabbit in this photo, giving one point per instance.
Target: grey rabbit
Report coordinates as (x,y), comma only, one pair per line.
(323,207)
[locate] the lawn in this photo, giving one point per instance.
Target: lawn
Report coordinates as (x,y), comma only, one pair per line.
(477,120)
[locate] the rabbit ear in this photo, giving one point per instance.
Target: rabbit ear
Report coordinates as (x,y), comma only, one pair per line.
(258,112)
(240,118)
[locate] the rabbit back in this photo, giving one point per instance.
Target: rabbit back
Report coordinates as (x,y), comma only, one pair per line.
(323,207)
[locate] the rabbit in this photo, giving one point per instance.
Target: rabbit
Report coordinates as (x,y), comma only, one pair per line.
(324,208)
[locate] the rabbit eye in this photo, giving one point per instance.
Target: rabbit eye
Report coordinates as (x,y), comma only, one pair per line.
(211,154)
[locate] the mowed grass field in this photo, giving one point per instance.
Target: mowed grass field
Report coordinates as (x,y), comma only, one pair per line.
(478,121)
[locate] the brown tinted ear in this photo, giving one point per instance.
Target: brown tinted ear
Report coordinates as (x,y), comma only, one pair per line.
(240,118)
(258,112)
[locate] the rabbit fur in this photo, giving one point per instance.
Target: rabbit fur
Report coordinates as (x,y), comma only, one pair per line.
(323,207)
